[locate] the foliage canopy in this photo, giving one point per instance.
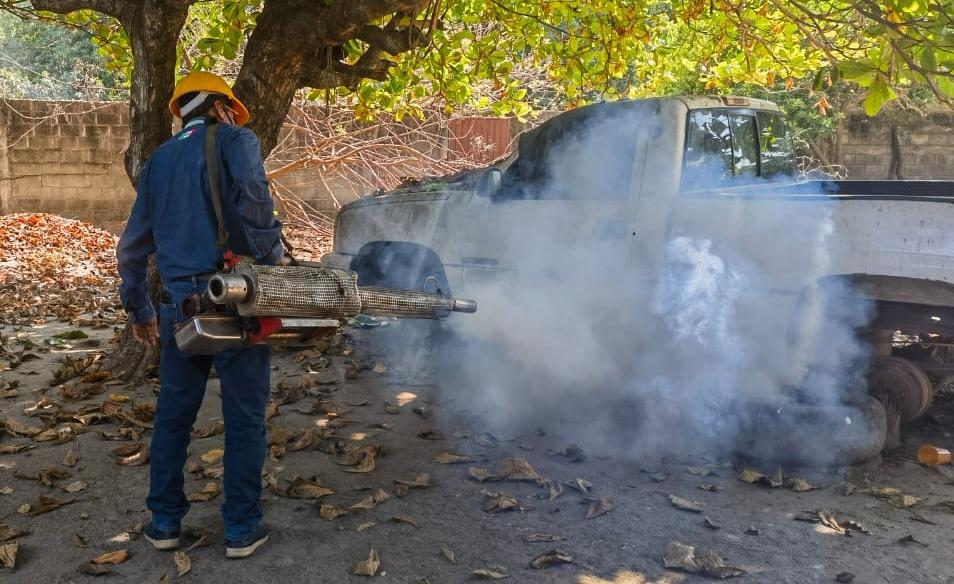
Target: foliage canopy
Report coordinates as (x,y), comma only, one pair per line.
(509,56)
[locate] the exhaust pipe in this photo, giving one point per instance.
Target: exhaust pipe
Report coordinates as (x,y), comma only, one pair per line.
(229,288)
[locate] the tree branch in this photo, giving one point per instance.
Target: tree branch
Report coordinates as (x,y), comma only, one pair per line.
(340,20)
(318,76)
(394,41)
(110,7)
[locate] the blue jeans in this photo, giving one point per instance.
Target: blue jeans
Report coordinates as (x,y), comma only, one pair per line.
(244,378)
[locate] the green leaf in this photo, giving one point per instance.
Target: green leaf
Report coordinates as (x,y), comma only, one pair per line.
(853,69)
(878,94)
(928,61)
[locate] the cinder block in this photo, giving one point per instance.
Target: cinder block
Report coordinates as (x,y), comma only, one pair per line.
(74,156)
(29,180)
(71,129)
(49,156)
(107,117)
(24,155)
(97,131)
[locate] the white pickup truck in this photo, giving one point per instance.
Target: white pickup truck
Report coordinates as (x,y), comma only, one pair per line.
(892,241)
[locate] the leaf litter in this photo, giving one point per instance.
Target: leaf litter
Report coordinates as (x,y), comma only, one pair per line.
(683,557)
(368,567)
(550,558)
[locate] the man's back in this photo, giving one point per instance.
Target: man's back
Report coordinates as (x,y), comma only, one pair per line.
(176,185)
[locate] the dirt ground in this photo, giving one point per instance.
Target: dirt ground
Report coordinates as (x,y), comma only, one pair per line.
(753,526)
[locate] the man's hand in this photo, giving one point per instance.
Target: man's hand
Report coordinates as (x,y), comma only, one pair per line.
(146,332)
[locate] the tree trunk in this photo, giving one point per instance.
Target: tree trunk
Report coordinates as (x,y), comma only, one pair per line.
(271,71)
(153,27)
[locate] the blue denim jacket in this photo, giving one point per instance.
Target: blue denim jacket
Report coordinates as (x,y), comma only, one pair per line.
(173,216)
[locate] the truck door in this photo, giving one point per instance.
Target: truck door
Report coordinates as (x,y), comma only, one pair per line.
(726,197)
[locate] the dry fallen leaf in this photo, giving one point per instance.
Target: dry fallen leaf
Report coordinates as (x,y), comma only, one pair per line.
(684,557)
(448,555)
(801,485)
(370,566)
(8,554)
(135,454)
(452,458)
(331,512)
(550,558)
(365,526)
(24,508)
(15,448)
(208,492)
(685,504)
(491,573)
(18,428)
(302,488)
(7,532)
(71,457)
(895,497)
(95,569)
(479,474)
(581,485)
(78,540)
(421,481)
(213,455)
(46,503)
(75,486)
(404,519)
(361,459)
(543,537)
(599,507)
(215,427)
(750,475)
(554,489)
(114,557)
(306,440)
(515,469)
(501,503)
(6,490)
(371,501)
(183,563)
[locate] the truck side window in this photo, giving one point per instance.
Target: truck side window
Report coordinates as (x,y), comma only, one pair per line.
(708,149)
(778,153)
(745,145)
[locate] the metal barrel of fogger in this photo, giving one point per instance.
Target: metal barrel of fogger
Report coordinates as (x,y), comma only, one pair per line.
(321,292)
(410,304)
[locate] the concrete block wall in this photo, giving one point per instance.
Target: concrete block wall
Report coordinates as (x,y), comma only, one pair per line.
(925,145)
(64,158)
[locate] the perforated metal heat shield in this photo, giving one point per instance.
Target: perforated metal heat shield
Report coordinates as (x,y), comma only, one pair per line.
(310,291)
(300,291)
(403,303)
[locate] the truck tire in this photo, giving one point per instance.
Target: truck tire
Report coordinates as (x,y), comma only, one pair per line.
(794,434)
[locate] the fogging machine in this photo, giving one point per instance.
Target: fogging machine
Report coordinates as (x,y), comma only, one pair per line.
(254,304)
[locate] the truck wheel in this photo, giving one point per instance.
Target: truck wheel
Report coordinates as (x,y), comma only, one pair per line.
(901,384)
(814,436)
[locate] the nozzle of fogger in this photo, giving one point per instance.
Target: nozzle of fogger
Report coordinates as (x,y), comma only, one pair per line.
(229,288)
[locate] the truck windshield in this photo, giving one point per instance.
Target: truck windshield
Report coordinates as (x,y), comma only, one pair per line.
(729,146)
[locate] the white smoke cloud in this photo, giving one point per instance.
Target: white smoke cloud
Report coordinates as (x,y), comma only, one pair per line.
(636,358)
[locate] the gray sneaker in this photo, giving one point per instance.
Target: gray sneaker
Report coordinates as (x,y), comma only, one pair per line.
(242,548)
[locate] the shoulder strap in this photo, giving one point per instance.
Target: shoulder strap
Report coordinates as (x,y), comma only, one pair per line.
(212,166)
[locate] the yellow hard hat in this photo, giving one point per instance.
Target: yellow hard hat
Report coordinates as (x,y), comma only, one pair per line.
(212,83)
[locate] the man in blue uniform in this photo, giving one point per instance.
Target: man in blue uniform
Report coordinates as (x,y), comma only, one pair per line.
(174,218)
